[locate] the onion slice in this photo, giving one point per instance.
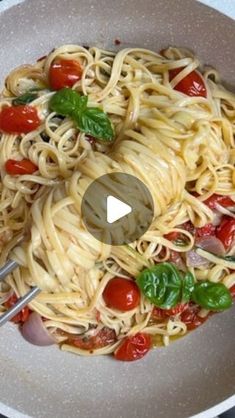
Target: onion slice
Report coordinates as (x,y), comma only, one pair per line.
(34,331)
(211,244)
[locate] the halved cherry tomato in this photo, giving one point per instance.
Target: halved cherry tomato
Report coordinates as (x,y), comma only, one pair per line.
(121,294)
(205,231)
(64,73)
(133,348)
(104,337)
(232,291)
(191,318)
(172,236)
(192,84)
(188,226)
(14,167)
(224,201)
(19,119)
(23,315)
(159,313)
(226,231)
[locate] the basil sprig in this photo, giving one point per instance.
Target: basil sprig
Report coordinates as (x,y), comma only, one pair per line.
(91,120)
(165,286)
(27,97)
(212,296)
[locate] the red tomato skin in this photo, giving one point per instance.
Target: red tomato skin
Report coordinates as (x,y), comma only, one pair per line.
(133,348)
(191,318)
(224,201)
(104,337)
(232,291)
(15,168)
(172,236)
(159,313)
(23,315)
(226,231)
(64,73)
(121,294)
(205,231)
(19,119)
(191,85)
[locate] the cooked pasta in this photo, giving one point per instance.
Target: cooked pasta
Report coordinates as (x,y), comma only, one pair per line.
(173,128)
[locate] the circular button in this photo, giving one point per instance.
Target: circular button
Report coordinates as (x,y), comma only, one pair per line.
(117,208)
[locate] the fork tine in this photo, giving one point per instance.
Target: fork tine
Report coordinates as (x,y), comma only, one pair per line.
(19,305)
(7,269)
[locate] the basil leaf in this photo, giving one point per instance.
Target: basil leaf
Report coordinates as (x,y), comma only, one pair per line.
(24,99)
(67,101)
(187,287)
(229,258)
(212,296)
(93,121)
(161,284)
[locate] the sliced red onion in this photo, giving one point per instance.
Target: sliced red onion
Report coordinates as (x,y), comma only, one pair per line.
(211,244)
(224,211)
(178,261)
(217,218)
(34,331)
(195,260)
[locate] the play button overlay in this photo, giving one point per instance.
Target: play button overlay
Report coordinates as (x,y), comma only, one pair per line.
(117,208)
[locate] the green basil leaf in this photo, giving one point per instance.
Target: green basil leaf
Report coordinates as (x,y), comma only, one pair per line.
(229,258)
(24,99)
(93,121)
(187,287)
(161,284)
(212,296)
(67,101)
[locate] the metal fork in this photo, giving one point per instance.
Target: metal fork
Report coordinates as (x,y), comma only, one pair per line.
(23,301)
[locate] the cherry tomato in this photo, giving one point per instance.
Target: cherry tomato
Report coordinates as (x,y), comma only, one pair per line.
(172,236)
(64,73)
(104,337)
(232,291)
(192,84)
(15,168)
(23,315)
(224,201)
(133,348)
(226,231)
(191,318)
(19,119)
(121,294)
(178,309)
(159,313)
(205,231)
(188,226)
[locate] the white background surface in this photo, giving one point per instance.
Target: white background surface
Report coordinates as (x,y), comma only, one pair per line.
(227,7)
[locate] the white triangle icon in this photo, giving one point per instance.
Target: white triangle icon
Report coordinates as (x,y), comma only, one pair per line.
(116,209)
